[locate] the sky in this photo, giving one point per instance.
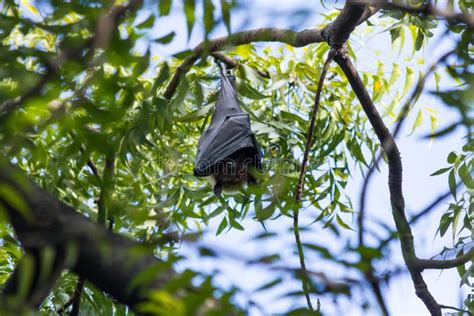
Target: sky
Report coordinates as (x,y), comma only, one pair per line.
(420,158)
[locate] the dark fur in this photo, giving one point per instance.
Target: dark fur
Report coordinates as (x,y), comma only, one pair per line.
(234,171)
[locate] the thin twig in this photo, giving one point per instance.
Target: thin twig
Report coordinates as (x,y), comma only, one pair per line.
(106,188)
(299,187)
(456,309)
(231,63)
(76,299)
(309,137)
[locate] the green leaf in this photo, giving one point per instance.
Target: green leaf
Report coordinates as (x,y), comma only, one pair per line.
(419,40)
(148,23)
(222,226)
(452,183)
(456,216)
(265,213)
(356,151)
(196,115)
(342,224)
(408,80)
(10,196)
(189,7)
(164,7)
(443,132)
(444,224)
(269,285)
(208,16)
(465,176)
(142,64)
(234,223)
(30,7)
(417,123)
(165,39)
(395,33)
(225,10)
(322,250)
(250,74)
(440,171)
(452,157)
(248,91)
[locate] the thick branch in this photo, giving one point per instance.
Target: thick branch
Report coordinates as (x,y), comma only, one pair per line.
(335,34)
(338,32)
(394,180)
(368,12)
(110,261)
(429,208)
(406,108)
(296,39)
(423,264)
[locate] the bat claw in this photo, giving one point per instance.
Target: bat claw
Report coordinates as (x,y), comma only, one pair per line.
(218,189)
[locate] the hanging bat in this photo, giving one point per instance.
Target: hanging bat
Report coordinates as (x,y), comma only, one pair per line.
(228,151)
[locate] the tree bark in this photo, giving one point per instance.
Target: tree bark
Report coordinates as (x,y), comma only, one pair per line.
(110,261)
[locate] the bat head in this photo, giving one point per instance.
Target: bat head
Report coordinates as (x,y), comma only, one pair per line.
(235,171)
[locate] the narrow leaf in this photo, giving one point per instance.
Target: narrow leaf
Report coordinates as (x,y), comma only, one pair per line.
(189,8)
(225,8)
(208,16)
(452,183)
(164,7)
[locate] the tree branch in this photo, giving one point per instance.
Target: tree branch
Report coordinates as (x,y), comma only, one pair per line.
(403,115)
(76,298)
(296,39)
(299,187)
(423,264)
(426,9)
(394,182)
(369,11)
(335,34)
(110,261)
(429,208)
(456,309)
(231,63)
(106,189)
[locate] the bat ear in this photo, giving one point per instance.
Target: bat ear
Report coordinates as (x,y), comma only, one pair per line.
(218,188)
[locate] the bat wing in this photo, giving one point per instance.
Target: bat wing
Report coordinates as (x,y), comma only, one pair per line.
(220,142)
(228,132)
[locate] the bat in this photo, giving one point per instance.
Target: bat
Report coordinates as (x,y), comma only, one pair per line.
(227,150)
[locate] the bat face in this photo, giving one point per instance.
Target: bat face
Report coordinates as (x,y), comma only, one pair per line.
(234,171)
